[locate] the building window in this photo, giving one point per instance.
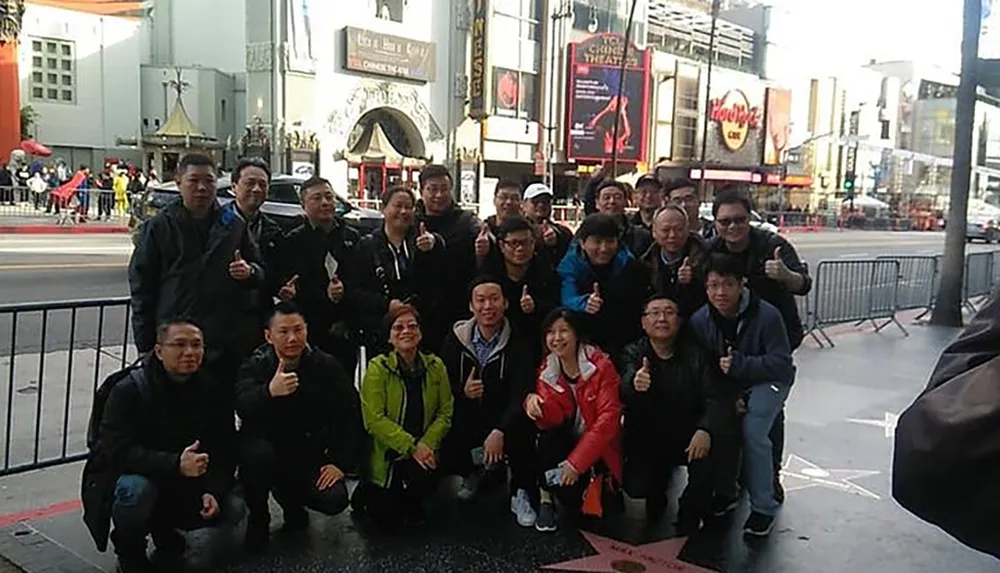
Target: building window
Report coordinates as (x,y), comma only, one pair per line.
(52,75)
(517,35)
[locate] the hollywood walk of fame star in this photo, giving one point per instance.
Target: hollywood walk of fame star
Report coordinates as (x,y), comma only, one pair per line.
(888,422)
(619,557)
(799,474)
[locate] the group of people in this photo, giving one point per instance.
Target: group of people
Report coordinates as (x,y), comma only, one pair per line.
(512,352)
(107,192)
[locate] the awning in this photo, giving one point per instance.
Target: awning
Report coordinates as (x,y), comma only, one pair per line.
(32,147)
(374,147)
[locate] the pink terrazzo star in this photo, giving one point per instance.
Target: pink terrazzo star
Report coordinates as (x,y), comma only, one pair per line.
(618,557)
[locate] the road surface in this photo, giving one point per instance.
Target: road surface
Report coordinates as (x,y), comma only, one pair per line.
(61,268)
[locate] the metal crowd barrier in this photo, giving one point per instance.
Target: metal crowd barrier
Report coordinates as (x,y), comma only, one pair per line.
(92,203)
(979,277)
(53,356)
(919,277)
(854,291)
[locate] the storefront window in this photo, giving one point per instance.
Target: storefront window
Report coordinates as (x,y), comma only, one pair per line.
(517,63)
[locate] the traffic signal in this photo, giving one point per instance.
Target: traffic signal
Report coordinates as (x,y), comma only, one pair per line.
(849,178)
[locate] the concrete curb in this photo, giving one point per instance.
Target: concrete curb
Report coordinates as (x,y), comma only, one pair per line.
(61,230)
(31,551)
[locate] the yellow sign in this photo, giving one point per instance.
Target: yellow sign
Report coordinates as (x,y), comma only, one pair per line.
(735,118)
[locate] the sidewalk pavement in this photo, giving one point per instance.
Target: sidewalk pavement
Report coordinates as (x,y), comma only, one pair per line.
(49,225)
(838,515)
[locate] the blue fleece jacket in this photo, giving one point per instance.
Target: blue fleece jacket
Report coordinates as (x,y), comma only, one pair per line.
(575,270)
(761,353)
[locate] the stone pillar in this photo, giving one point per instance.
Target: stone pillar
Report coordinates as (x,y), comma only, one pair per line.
(10,100)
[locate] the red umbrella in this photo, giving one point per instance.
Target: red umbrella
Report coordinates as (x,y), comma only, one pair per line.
(34,148)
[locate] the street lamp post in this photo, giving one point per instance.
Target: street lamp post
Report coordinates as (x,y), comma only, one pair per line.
(716,7)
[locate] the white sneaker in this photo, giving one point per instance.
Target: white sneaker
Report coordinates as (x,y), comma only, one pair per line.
(470,486)
(520,505)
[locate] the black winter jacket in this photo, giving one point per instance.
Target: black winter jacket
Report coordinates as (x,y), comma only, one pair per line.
(761,250)
(319,424)
(306,249)
(173,274)
(688,392)
(662,277)
(459,229)
(378,280)
(543,287)
(946,460)
(507,380)
(146,435)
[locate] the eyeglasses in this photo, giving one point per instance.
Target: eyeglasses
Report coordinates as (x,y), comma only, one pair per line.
(735,221)
(519,243)
(401,328)
(180,345)
(661,313)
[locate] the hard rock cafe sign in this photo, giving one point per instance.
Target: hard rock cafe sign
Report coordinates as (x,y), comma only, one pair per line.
(735,117)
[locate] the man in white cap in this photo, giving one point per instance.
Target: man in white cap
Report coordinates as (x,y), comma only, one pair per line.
(537,207)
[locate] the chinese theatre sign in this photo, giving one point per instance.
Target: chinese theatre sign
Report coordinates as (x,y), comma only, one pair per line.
(736,126)
(735,118)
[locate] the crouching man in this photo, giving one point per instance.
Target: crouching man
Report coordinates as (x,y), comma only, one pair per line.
(160,437)
(301,428)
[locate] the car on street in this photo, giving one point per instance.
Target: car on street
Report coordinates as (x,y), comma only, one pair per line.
(282,205)
(982,230)
(705,212)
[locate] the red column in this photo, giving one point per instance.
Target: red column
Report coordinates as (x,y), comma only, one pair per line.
(10,101)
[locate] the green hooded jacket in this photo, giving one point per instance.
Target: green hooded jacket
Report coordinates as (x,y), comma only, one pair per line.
(383,403)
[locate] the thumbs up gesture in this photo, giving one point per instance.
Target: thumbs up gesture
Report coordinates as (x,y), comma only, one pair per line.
(336,289)
(594,301)
(288,290)
(527,303)
(726,362)
(775,268)
(549,236)
(473,386)
(642,378)
(239,269)
(425,240)
(483,241)
(193,463)
(685,274)
(283,383)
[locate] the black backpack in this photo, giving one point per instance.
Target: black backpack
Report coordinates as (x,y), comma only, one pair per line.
(104,390)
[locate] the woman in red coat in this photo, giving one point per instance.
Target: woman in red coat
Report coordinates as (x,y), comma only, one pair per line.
(576,406)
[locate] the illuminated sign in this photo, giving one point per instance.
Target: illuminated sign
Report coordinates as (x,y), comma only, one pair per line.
(736,118)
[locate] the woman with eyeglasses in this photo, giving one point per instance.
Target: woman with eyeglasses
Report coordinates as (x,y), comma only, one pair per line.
(407,405)
(679,411)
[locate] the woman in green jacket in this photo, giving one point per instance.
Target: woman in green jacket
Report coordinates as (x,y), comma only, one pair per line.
(407,406)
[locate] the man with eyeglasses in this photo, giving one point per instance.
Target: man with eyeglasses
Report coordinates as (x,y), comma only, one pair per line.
(162,458)
(773,272)
(684,192)
(196,259)
(507,202)
(649,198)
(679,411)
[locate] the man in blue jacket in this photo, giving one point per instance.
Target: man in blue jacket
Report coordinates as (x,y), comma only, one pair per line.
(749,339)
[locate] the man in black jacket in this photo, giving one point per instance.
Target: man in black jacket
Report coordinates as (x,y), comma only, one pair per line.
(774,273)
(648,200)
(162,453)
(612,199)
(197,260)
(251,181)
(490,379)
(679,410)
(555,238)
(460,230)
(301,429)
(317,274)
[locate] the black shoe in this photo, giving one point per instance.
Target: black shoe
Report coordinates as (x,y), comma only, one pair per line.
(687,526)
(169,546)
(758,525)
(134,564)
(656,506)
(722,507)
(546,521)
(295,520)
(415,514)
(258,535)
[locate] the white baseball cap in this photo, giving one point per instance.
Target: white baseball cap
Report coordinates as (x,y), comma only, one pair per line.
(536,190)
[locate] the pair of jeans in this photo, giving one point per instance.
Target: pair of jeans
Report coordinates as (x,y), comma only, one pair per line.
(142,507)
(766,401)
(263,470)
(468,433)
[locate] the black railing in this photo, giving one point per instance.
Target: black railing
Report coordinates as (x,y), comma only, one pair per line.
(56,354)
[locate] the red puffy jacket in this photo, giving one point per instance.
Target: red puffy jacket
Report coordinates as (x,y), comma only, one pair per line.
(600,408)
